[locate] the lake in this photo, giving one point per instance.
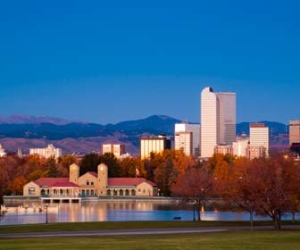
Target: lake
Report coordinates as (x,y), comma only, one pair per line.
(113,210)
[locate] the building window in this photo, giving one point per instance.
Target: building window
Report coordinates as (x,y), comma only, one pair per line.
(31,190)
(92,183)
(87,183)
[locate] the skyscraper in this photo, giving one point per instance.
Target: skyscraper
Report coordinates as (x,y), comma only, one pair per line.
(294,135)
(154,144)
(218,120)
(187,138)
(259,140)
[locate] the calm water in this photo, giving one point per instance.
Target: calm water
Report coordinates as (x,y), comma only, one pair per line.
(112,211)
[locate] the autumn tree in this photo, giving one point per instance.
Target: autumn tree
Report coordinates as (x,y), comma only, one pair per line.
(272,189)
(220,167)
(51,166)
(181,161)
(64,163)
(111,161)
(241,187)
(292,179)
(16,185)
(131,167)
(165,175)
(89,163)
(196,185)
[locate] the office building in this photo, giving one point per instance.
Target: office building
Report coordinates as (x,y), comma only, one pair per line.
(2,151)
(240,146)
(116,149)
(294,136)
(154,144)
(49,151)
(184,141)
(294,132)
(218,120)
(187,138)
(223,149)
(259,140)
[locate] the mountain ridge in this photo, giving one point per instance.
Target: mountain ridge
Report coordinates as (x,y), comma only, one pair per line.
(82,137)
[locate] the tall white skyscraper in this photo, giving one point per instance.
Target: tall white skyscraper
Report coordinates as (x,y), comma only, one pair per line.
(218,120)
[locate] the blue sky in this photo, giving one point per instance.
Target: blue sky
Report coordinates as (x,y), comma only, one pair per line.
(110,61)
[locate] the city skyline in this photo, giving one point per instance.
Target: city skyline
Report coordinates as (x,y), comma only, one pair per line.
(115,61)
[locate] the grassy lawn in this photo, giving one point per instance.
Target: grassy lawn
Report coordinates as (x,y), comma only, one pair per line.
(85,226)
(52,227)
(256,240)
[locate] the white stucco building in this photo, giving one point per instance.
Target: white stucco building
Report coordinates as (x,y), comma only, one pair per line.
(49,151)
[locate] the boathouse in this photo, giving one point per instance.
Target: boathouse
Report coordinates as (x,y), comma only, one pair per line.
(90,184)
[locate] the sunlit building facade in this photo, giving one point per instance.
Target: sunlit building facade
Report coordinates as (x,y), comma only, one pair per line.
(218,120)
(294,136)
(259,140)
(187,138)
(294,132)
(116,149)
(240,147)
(154,144)
(49,151)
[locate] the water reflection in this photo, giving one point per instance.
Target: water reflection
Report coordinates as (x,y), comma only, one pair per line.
(114,211)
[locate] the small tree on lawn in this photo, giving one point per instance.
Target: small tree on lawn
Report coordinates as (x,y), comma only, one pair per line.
(196,185)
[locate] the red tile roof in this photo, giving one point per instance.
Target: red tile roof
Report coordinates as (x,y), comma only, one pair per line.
(64,182)
(128,182)
(55,182)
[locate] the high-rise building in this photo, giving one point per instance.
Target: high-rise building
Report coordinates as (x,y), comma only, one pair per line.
(47,152)
(218,120)
(187,138)
(259,140)
(240,146)
(184,141)
(294,134)
(154,144)
(2,151)
(116,149)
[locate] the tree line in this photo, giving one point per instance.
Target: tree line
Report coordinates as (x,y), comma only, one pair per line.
(263,186)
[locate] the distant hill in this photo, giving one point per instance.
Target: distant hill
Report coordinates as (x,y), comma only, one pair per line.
(25,119)
(274,127)
(25,132)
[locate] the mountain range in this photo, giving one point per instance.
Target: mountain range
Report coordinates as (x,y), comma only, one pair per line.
(24,132)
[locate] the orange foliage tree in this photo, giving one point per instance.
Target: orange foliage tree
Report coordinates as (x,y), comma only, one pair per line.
(195,185)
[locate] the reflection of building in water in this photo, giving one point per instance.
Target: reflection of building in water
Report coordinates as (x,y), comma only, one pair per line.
(90,184)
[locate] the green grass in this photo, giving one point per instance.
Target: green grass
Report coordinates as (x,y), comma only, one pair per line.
(246,240)
(84,226)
